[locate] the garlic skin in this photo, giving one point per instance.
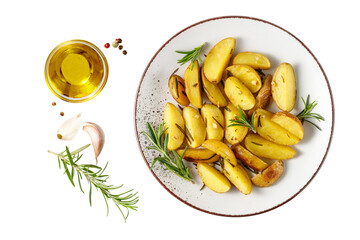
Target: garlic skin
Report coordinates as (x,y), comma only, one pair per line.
(97,137)
(69,128)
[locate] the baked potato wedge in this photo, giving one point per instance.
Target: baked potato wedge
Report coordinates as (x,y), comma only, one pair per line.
(173,122)
(246,74)
(283,87)
(194,127)
(237,176)
(221,149)
(177,90)
(214,121)
(255,60)
(213,91)
(212,178)
(218,59)
(234,134)
(193,87)
(290,122)
(270,175)
(261,147)
(272,131)
(263,97)
(238,93)
(198,155)
(248,158)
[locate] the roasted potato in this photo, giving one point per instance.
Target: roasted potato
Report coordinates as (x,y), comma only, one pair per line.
(199,155)
(263,97)
(214,121)
(218,59)
(213,91)
(248,158)
(261,147)
(233,134)
(237,176)
(239,94)
(194,127)
(270,175)
(221,149)
(174,123)
(290,122)
(212,178)
(272,131)
(246,74)
(193,87)
(177,90)
(283,87)
(255,60)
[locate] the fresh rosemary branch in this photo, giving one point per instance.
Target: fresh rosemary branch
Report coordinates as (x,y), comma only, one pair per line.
(160,140)
(191,55)
(306,113)
(97,179)
(243,121)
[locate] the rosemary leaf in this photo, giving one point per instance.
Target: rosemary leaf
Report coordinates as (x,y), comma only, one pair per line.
(307,113)
(172,162)
(192,55)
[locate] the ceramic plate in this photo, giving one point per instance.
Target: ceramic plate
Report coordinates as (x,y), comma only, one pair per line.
(279,46)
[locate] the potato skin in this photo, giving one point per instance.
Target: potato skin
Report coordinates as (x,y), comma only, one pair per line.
(270,175)
(263,97)
(272,131)
(233,134)
(290,122)
(221,149)
(261,147)
(214,121)
(238,176)
(173,120)
(239,94)
(195,125)
(212,178)
(213,91)
(177,90)
(248,158)
(283,87)
(193,87)
(199,155)
(218,59)
(245,74)
(255,60)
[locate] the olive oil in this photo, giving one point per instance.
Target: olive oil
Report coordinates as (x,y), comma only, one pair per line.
(76,71)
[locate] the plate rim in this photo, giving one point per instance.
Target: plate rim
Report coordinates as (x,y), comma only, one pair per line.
(332,115)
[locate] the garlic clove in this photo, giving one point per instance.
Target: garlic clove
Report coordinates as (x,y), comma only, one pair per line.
(69,128)
(97,137)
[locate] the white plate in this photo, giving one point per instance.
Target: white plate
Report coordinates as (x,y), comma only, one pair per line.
(279,46)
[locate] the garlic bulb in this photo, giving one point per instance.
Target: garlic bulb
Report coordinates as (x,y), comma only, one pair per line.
(69,128)
(97,137)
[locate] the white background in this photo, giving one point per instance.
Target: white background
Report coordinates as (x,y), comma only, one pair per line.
(38,202)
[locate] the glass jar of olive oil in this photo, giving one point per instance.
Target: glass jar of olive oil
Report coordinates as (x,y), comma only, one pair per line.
(76,71)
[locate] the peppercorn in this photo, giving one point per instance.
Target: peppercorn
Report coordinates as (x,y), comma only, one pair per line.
(107,45)
(53,103)
(115,44)
(62,114)
(120,47)
(124,52)
(119,40)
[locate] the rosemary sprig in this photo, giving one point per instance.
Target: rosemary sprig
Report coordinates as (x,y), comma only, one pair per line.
(97,179)
(191,55)
(173,163)
(243,121)
(307,113)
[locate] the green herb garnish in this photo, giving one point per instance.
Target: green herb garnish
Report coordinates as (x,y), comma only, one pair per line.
(243,121)
(173,163)
(192,55)
(306,113)
(96,178)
